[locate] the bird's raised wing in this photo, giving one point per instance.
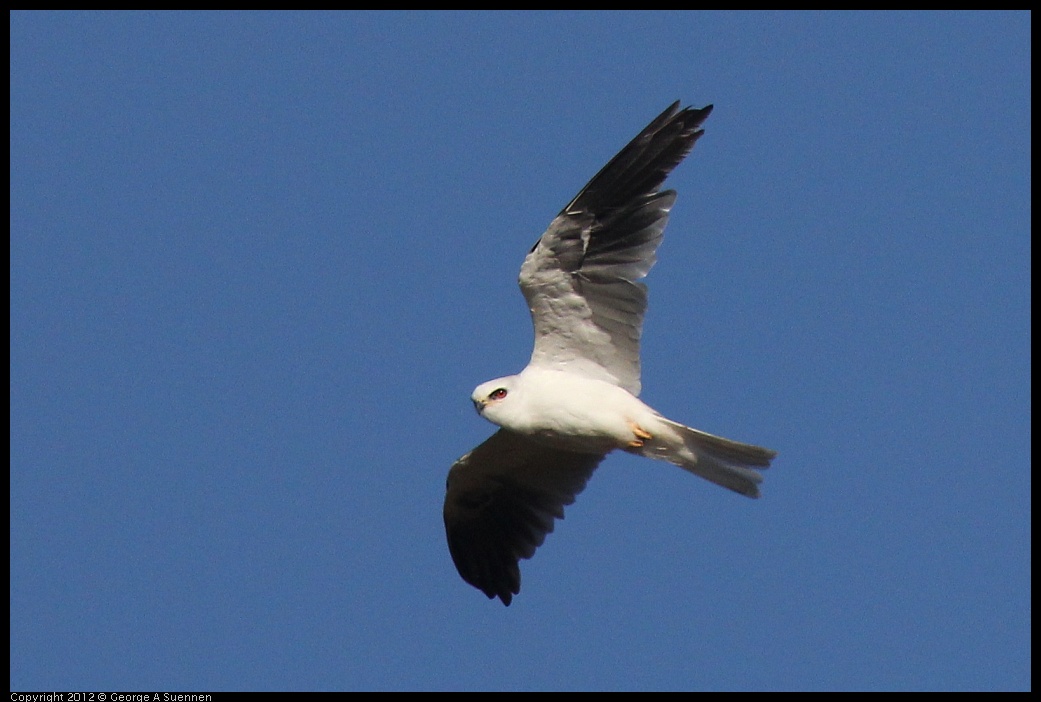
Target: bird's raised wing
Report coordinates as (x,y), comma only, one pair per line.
(581,278)
(500,503)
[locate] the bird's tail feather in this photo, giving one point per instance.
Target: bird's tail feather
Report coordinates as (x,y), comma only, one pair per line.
(724,462)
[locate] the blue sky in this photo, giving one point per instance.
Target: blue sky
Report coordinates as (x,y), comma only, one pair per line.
(259,262)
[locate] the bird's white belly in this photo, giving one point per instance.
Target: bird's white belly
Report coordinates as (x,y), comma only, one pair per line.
(579,414)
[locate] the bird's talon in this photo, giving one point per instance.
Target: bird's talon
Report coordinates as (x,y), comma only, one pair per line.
(641,436)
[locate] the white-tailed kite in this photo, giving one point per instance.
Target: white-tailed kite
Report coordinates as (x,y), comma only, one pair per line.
(576,401)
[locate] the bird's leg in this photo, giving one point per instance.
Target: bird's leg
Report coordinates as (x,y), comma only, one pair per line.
(640,435)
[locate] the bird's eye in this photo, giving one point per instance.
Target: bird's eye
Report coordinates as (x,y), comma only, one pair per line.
(497,394)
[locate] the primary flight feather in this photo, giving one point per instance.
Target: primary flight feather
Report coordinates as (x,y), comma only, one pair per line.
(576,400)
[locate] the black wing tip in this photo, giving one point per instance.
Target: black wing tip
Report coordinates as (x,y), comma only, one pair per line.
(687,120)
(687,124)
(506,597)
(690,116)
(502,587)
(696,115)
(644,163)
(491,584)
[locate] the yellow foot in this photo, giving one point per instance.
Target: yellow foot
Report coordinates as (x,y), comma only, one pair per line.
(640,434)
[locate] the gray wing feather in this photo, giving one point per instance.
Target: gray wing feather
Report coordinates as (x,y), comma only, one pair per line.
(581,278)
(501,500)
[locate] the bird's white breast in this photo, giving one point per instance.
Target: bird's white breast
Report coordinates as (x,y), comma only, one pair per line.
(572,411)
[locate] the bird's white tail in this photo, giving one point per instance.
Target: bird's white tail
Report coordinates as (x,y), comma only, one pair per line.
(728,463)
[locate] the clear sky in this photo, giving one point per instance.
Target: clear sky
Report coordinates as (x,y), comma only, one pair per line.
(259,262)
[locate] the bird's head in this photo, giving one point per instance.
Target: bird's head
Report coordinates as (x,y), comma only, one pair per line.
(488,398)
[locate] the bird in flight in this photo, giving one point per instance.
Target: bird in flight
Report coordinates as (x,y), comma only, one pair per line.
(577,399)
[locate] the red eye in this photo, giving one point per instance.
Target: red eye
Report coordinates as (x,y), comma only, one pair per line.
(497,394)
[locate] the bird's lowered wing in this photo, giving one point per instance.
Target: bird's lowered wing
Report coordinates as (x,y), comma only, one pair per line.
(500,502)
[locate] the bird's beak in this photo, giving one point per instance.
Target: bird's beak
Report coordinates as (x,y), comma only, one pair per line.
(479,405)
